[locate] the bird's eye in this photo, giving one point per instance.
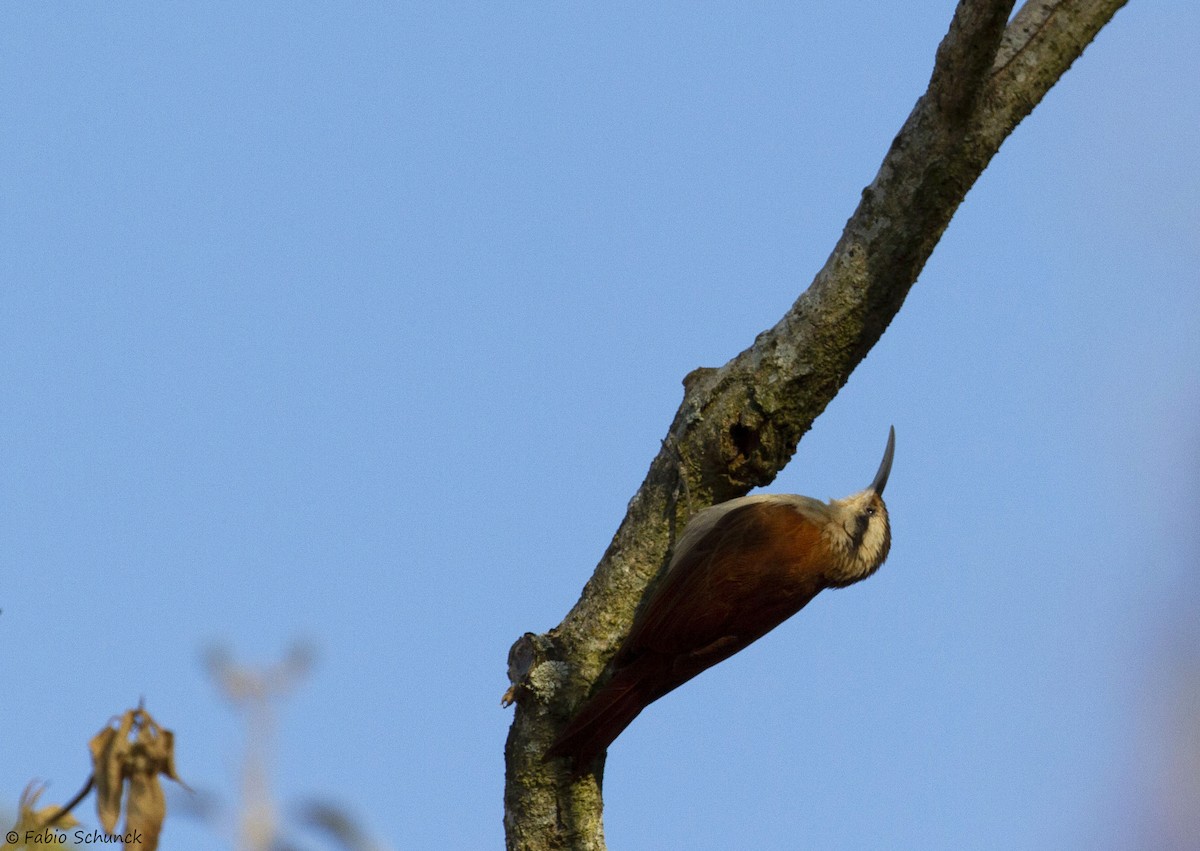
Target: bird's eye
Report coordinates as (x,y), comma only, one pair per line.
(870,512)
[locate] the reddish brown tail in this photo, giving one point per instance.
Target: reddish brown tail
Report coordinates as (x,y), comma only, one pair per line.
(605,715)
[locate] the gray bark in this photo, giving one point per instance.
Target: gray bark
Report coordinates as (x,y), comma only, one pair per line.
(738,425)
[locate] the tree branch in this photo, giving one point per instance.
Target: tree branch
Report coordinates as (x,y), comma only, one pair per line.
(739,425)
(964,57)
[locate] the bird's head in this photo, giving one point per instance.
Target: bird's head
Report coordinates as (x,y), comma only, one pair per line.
(858,528)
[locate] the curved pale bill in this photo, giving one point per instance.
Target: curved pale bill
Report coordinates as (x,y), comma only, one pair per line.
(885,466)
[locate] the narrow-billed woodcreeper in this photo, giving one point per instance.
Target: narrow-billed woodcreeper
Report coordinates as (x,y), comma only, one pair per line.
(739,569)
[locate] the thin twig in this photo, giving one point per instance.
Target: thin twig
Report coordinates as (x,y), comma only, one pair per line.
(73,803)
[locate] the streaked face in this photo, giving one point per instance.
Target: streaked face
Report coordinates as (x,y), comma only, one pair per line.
(860,534)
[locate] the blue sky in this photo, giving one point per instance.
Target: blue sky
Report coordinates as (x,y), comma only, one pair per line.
(361,324)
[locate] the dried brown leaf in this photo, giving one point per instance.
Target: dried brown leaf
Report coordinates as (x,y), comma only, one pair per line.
(107,760)
(145,809)
(31,826)
(131,767)
(169,749)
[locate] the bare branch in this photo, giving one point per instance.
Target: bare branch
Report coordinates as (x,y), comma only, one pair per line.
(54,818)
(965,55)
(739,425)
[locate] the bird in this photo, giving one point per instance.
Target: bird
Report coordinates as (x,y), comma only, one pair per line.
(739,569)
